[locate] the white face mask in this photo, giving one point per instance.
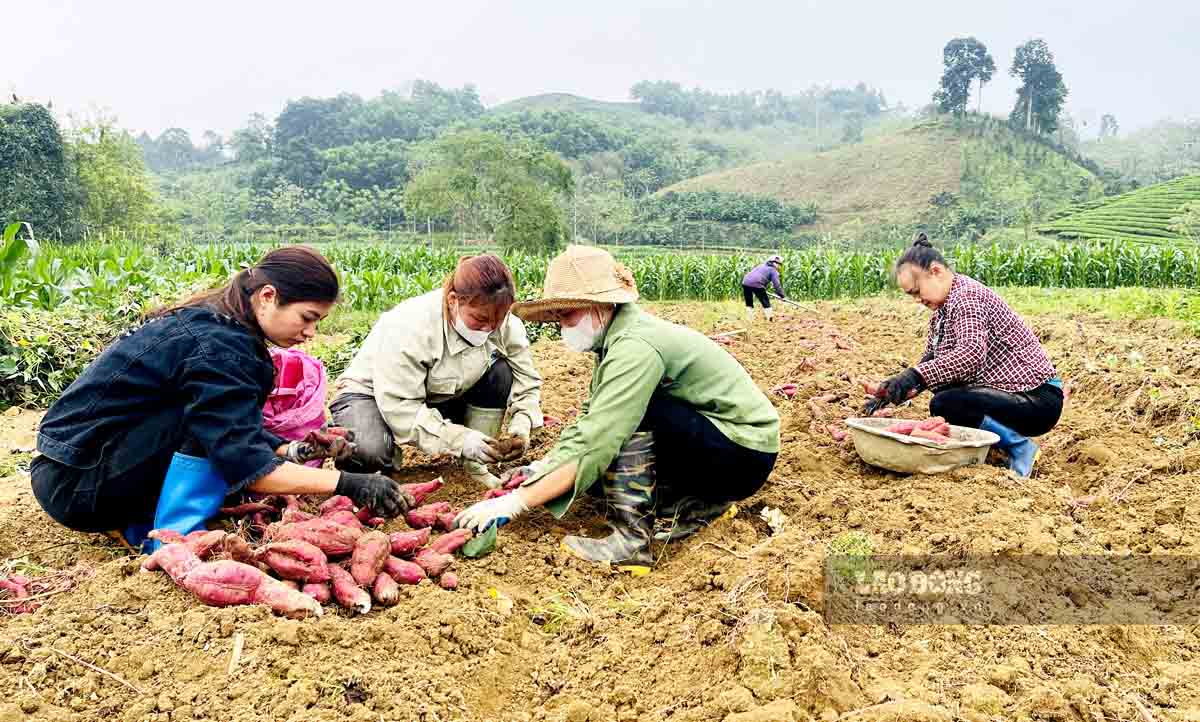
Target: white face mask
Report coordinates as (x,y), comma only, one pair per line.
(470,335)
(582,336)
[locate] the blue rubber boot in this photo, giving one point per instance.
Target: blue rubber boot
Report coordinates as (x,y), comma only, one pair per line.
(192,493)
(1021,450)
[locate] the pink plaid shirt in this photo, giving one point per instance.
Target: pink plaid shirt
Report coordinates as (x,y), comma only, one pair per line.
(975,338)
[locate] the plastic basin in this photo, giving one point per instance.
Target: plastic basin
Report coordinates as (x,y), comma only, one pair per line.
(908,455)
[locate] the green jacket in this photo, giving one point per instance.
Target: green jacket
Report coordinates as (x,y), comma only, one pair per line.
(642,354)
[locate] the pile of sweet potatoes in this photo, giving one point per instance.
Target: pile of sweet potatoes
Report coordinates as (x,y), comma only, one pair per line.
(934,429)
(309,558)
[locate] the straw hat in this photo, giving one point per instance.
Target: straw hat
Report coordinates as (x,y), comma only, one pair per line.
(579,277)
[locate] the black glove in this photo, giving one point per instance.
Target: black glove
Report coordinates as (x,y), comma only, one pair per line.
(900,387)
(377,492)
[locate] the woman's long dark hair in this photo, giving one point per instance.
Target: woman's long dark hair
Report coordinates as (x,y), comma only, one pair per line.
(296,272)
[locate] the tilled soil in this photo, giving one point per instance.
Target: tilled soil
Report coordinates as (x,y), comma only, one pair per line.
(728,626)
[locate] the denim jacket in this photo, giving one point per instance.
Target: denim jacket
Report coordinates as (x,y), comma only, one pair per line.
(192,375)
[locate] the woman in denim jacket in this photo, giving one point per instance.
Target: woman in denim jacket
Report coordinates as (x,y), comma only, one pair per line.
(168,420)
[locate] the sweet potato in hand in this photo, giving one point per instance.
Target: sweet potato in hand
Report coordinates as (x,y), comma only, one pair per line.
(420,491)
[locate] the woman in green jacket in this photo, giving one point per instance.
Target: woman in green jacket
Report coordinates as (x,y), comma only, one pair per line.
(674,428)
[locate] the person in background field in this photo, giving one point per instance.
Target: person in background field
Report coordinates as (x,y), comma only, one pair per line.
(168,420)
(985,365)
(755,284)
(438,372)
(674,429)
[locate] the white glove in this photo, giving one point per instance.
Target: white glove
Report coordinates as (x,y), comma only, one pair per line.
(520,425)
(498,511)
(478,446)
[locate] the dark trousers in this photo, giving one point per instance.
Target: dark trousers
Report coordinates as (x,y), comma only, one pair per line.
(376,449)
(693,458)
(749,293)
(98,499)
(1029,413)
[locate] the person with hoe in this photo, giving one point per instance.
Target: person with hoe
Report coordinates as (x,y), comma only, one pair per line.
(168,420)
(986,367)
(755,283)
(674,428)
(438,372)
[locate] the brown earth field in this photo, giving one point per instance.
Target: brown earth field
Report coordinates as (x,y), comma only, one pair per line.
(730,624)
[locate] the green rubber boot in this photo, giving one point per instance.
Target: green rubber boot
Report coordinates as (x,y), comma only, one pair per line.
(629,494)
(486,421)
(686,517)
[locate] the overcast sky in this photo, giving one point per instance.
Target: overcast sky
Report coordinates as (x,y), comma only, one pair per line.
(208,65)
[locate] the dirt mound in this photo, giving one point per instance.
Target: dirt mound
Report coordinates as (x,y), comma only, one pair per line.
(729,625)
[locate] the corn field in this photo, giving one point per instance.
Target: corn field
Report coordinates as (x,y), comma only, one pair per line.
(374,277)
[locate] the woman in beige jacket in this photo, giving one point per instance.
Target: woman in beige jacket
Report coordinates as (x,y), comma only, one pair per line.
(439,371)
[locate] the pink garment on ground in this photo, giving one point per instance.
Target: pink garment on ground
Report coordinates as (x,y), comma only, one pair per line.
(297,405)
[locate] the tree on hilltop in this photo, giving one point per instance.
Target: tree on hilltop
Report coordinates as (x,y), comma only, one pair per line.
(965,60)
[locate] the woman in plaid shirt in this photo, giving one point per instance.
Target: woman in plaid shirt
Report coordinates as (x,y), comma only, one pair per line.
(983,363)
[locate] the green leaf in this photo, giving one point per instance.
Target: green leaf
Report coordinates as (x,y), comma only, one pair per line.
(481,545)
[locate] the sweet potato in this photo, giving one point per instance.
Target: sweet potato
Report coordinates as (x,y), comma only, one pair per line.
(931,423)
(407,542)
(930,435)
(550,421)
(295,514)
(203,543)
(236,548)
(827,398)
(944,430)
(250,507)
(839,435)
(375,522)
(364,514)
(330,537)
(318,591)
(15,589)
(902,427)
(404,572)
(445,522)
(449,580)
(493,493)
(335,503)
(370,552)
(296,559)
(786,390)
(345,518)
(420,491)
(347,592)
(385,590)
(226,582)
(258,520)
(426,516)
(291,501)
(450,543)
(885,413)
(433,562)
